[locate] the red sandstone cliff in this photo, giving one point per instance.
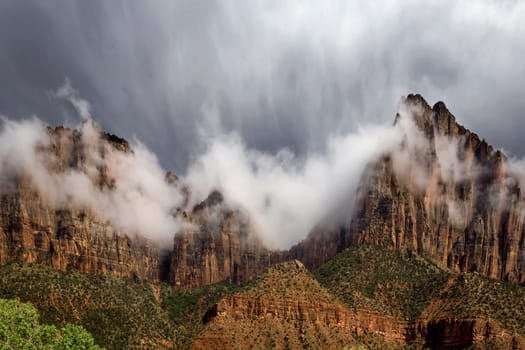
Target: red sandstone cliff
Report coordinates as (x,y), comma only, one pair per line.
(34,230)
(457,200)
(217,244)
(287,308)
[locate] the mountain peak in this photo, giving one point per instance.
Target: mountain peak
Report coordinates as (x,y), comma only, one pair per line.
(417,99)
(440,106)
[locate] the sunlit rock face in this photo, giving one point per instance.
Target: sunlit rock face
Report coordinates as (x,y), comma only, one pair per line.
(443,192)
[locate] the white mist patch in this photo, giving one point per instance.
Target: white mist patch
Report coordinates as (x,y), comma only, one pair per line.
(409,155)
(140,201)
(67,92)
(286,196)
(18,142)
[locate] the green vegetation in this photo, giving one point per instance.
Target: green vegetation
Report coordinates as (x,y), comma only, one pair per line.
(287,281)
(274,314)
(119,313)
(407,286)
(395,283)
(476,296)
(187,307)
(20,329)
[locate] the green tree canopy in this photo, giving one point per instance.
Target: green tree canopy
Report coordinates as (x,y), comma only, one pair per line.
(20,329)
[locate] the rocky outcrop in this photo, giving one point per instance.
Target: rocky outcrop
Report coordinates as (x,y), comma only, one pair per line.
(327,314)
(32,230)
(468,214)
(286,307)
(444,193)
(321,245)
(216,244)
(461,334)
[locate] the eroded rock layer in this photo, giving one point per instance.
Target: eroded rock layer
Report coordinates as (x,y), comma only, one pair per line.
(287,308)
(42,223)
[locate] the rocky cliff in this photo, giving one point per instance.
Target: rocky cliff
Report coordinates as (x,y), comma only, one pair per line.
(288,308)
(35,230)
(42,223)
(217,243)
(443,192)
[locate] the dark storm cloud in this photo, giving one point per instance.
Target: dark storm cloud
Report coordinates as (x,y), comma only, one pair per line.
(281,73)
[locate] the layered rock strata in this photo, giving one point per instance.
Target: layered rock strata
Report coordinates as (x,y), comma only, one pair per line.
(215,242)
(286,307)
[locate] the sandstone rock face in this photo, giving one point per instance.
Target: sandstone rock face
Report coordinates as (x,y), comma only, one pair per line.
(216,244)
(326,314)
(321,245)
(32,230)
(287,308)
(461,334)
(454,198)
(468,215)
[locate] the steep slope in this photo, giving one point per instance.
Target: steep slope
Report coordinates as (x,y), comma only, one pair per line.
(471,295)
(443,193)
(400,284)
(121,313)
(287,308)
(433,306)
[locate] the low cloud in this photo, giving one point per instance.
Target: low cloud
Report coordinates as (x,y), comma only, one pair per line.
(284,194)
(282,74)
(136,198)
(68,93)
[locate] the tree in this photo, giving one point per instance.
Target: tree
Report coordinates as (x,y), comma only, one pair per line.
(20,329)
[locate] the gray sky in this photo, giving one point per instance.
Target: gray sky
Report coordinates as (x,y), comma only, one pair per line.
(280,73)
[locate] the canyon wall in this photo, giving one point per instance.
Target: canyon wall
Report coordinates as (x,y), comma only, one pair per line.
(454,198)
(468,215)
(450,196)
(217,243)
(33,230)
(213,242)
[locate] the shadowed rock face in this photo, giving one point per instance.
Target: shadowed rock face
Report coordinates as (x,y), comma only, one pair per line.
(466,211)
(34,231)
(217,244)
